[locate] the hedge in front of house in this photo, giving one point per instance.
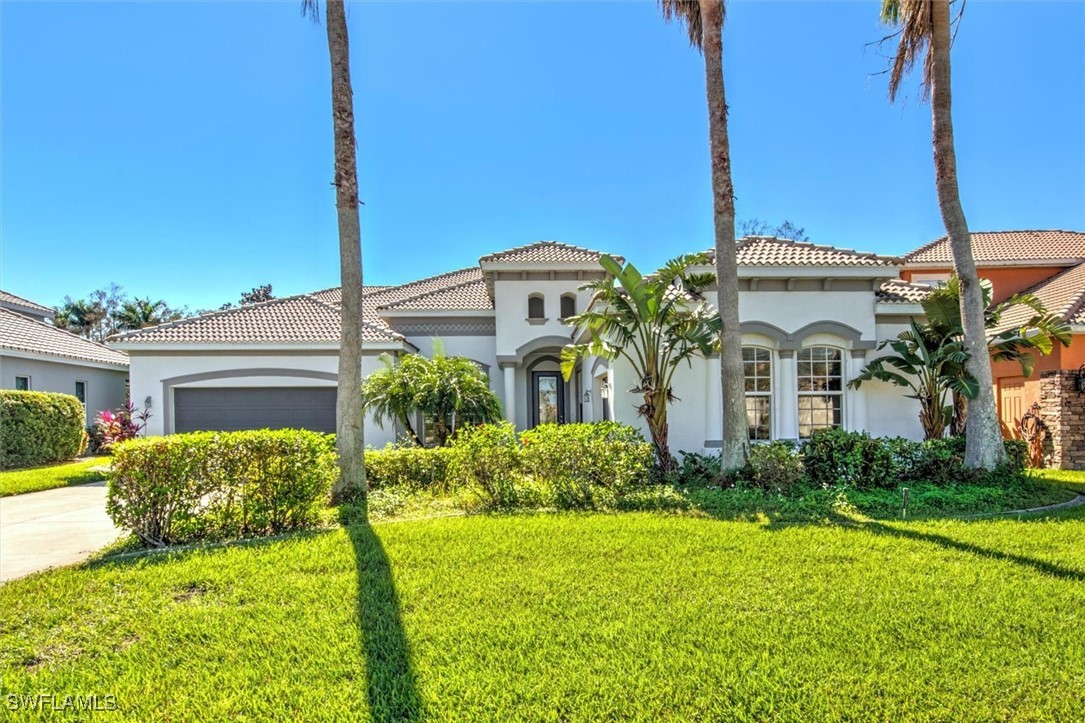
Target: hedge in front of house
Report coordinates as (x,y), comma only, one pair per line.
(220,485)
(413,467)
(38,428)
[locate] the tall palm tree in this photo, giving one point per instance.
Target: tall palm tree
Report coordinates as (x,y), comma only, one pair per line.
(704,21)
(348,406)
(925,31)
(139,313)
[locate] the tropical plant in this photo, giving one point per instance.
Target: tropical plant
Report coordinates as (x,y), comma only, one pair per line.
(924,30)
(704,23)
(1037,333)
(349,439)
(654,323)
(929,364)
(448,391)
(138,313)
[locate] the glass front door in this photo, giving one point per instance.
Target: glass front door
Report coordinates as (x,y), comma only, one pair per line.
(548,398)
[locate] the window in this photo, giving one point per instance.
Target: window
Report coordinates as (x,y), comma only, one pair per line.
(568,306)
(536,307)
(81,392)
(821,389)
(757,368)
(22,384)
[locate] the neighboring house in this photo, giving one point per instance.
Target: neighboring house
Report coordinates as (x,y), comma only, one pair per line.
(36,356)
(1051,265)
(811,315)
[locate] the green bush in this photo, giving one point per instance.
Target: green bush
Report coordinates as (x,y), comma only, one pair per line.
(696,469)
(586,466)
(413,467)
(835,457)
(215,485)
(38,428)
(487,459)
(774,467)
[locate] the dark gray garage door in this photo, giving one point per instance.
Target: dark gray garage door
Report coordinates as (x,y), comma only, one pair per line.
(233,408)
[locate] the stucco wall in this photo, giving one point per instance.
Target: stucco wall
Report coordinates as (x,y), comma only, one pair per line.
(105,387)
(510,303)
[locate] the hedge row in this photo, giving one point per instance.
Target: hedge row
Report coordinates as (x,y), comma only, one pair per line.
(216,485)
(39,428)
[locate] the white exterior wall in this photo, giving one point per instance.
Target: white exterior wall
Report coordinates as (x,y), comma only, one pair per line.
(510,304)
(105,386)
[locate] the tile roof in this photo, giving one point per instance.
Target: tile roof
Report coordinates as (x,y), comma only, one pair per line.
(772,251)
(1005,246)
(6,297)
(545,252)
(468,296)
(302,319)
(21,333)
(896,291)
(1062,294)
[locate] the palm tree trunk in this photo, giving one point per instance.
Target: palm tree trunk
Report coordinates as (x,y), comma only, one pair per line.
(656,414)
(983,445)
(736,437)
(348,404)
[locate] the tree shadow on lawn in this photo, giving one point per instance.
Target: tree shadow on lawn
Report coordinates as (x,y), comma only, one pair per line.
(390,678)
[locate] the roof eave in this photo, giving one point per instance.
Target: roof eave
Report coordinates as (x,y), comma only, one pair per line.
(981,264)
(134,347)
(60,359)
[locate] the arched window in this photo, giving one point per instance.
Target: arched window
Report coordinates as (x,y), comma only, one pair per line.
(568,305)
(821,389)
(536,307)
(757,370)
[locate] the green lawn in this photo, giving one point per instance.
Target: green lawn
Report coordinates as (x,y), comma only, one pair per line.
(16,482)
(575,617)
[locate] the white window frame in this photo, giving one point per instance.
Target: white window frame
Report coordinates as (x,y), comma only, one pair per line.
(839,394)
(758,394)
(85,385)
(29,382)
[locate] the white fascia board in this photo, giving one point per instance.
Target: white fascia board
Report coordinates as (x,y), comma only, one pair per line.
(57,359)
(981,265)
(131,347)
(810,272)
(896,309)
(427,313)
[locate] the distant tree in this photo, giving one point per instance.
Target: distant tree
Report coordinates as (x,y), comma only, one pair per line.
(257,295)
(760,227)
(109,310)
(140,313)
(80,316)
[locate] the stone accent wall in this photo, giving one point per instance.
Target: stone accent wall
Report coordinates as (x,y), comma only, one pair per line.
(1063,410)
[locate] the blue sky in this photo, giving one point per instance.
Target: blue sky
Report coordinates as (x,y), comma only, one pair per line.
(184,150)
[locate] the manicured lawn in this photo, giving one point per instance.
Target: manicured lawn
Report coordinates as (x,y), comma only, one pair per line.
(16,482)
(575,617)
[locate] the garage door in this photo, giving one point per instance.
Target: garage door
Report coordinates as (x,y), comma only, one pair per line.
(235,408)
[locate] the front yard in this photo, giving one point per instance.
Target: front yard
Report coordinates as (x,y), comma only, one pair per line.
(36,479)
(575,617)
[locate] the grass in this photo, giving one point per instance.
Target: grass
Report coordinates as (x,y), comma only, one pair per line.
(35,479)
(575,617)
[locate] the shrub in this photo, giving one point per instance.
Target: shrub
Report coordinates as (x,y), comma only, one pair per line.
(413,467)
(834,457)
(113,426)
(487,458)
(39,428)
(214,485)
(775,467)
(696,469)
(586,465)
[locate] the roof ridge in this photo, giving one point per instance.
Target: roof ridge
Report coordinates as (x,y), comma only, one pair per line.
(30,303)
(435,277)
(541,242)
(819,247)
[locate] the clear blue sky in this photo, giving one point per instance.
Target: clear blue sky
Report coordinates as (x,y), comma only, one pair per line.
(184,150)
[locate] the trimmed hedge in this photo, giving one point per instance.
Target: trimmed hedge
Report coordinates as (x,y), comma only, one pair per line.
(413,467)
(38,428)
(216,485)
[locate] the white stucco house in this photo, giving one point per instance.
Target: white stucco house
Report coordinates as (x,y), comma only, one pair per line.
(37,356)
(811,314)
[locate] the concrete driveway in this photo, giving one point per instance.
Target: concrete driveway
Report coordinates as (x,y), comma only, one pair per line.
(52,528)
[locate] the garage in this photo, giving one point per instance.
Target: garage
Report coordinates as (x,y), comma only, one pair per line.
(230,409)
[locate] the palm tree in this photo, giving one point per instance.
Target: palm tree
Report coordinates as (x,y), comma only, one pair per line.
(704,22)
(348,407)
(139,313)
(653,323)
(925,31)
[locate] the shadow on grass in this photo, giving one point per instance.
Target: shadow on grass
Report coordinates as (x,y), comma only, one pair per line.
(390,678)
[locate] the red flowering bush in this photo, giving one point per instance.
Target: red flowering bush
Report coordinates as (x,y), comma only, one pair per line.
(119,425)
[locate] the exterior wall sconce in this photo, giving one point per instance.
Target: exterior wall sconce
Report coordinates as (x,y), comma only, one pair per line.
(147,402)
(1079,380)
(587,396)
(604,390)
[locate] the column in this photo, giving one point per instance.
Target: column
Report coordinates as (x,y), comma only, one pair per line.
(856,405)
(713,405)
(786,400)
(510,391)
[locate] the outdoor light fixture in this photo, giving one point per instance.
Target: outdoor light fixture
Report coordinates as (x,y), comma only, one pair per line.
(147,402)
(604,390)
(1079,380)
(587,396)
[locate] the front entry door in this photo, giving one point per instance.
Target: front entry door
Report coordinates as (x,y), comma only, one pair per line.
(547,398)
